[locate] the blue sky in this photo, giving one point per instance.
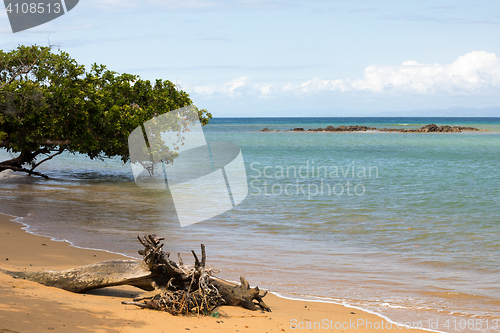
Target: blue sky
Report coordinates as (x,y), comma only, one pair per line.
(292,58)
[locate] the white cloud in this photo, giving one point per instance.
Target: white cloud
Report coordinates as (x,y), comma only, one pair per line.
(477,72)
(235,88)
(316,85)
(231,88)
(265,89)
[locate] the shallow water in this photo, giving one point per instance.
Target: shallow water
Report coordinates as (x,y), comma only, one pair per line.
(405,225)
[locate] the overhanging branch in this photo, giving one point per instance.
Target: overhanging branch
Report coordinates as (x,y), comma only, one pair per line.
(59,152)
(15,168)
(43,142)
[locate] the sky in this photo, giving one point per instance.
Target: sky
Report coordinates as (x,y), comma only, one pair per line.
(291,58)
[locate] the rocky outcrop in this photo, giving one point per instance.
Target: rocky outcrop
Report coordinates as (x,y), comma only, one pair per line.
(431,128)
(268,130)
(342,128)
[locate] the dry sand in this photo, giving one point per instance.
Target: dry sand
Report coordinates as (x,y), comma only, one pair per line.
(29,307)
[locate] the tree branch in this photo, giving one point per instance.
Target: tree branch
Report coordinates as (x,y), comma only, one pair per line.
(14,168)
(55,142)
(23,69)
(43,142)
(59,152)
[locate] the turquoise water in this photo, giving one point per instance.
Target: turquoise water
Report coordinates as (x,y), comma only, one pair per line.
(402,224)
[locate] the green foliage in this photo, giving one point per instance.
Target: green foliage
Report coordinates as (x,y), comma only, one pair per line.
(93,111)
(3,135)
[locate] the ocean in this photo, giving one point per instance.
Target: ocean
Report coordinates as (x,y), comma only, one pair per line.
(405,225)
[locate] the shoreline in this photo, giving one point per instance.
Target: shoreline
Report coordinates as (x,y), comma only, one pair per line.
(31,307)
(26,228)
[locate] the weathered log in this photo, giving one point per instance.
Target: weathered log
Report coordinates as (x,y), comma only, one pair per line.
(99,275)
(171,287)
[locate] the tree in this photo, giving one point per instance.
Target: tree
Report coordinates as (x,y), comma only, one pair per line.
(51,104)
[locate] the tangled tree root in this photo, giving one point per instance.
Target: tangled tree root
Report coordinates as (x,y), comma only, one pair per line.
(172,287)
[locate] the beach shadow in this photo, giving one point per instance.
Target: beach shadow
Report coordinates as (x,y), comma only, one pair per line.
(118,292)
(25,307)
(38,315)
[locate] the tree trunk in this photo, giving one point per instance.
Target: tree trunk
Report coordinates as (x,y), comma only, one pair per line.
(171,287)
(29,157)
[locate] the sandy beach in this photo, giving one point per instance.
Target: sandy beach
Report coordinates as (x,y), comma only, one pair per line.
(26,306)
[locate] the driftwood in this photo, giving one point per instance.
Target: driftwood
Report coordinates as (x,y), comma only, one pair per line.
(172,287)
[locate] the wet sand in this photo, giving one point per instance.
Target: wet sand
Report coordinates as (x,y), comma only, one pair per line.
(26,306)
